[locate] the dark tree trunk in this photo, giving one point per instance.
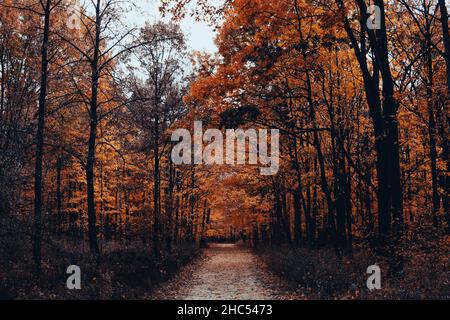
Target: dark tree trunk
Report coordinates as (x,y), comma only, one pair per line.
(338,157)
(3,82)
(394,195)
(156,190)
(59,165)
(264,234)
(385,122)
(300,201)
(446,38)
(349,216)
(277,217)
(192,200)
(298,236)
(446,178)
(255,236)
(177,220)
(285,217)
(390,123)
(309,223)
(432,130)
(90,163)
(37,230)
(341,210)
(203,230)
(314,208)
(169,207)
(183,220)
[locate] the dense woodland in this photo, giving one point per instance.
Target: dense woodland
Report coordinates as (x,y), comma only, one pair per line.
(88,105)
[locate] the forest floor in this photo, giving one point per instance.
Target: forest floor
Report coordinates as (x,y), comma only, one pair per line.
(225,272)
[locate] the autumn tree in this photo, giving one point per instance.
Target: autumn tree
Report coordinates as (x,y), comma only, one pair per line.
(99,46)
(158,100)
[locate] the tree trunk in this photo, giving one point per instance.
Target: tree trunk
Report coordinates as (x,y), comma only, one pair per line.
(3,82)
(169,206)
(446,179)
(446,37)
(58,195)
(298,236)
(203,230)
(90,163)
(385,122)
(156,193)
(432,130)
(37,230)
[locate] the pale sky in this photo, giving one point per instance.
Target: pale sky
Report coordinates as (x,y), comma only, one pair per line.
(199,35)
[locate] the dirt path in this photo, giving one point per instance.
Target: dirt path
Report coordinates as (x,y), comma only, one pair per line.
(227,272)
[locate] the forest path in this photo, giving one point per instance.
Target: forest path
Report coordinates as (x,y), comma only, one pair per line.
(227,272)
